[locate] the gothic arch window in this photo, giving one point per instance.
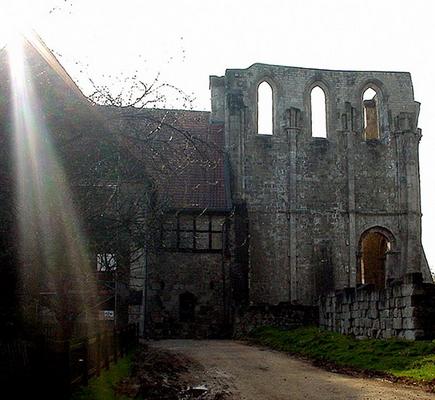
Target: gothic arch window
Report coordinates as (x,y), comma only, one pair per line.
(264,109)
(318,112)
(371,105)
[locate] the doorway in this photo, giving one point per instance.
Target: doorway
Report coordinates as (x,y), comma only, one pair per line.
(374,246)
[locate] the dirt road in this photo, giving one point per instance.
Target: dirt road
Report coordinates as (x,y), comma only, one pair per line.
(258,374)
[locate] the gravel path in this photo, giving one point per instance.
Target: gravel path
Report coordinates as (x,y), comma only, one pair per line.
(253,373)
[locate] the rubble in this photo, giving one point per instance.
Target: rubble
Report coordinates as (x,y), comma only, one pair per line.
(162,375)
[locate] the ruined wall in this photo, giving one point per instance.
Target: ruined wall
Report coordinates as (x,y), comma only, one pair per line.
(404,309)
(282,316)
(310,199)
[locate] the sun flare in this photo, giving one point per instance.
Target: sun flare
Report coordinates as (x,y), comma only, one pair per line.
(49,226)
(15,22)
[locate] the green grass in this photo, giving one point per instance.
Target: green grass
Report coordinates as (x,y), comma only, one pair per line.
(415,360)
(103,387)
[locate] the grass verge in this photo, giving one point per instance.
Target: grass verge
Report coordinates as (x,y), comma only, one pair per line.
(414,361)
(103,387)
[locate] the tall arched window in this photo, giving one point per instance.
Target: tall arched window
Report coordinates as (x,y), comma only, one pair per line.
(264,109)
(318,113)
(371,114)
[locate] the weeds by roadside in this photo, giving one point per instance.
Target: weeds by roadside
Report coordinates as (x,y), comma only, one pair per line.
(104,387)
(410,361)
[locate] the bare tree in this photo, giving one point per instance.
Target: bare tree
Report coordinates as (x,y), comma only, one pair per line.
(118,155)
(132,156)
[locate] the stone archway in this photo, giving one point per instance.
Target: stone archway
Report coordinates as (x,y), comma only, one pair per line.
(374,246)
(187,307)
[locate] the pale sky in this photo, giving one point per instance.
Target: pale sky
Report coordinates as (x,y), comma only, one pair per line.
(186,41)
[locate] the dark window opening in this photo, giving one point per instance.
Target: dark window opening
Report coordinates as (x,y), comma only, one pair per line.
(187,307)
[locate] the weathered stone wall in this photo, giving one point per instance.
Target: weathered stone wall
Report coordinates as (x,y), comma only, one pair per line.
(308,199)
(282,315)
(170,275)
(404,309)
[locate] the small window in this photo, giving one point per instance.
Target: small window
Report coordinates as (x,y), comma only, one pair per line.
(185,239)
(265,109)
(106,262)
(202,240)
(371,114)
(318,113)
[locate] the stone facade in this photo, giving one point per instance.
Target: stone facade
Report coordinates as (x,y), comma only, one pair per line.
(201,277)
(178,274)
(311,201)
(404,309)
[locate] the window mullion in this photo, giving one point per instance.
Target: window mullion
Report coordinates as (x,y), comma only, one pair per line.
(178,231)
(209,232)
(194,233)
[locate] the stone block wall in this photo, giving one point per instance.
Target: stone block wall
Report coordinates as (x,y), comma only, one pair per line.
(283,315)
(404,309)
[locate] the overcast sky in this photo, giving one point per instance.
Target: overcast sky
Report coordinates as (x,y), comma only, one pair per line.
(189,40)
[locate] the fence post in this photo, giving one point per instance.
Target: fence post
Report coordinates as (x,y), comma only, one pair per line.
(127,338)
(105,344)
(136,340)
(85,367)
(98,360)
(66,368)
(115,345)
(121,342)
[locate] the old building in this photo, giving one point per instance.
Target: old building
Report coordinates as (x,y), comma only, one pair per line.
(263,205)
(333,208)
(187,275)
(324,212)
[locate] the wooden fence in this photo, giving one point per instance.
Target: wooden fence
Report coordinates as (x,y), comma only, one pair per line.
(62,365)
(85,358)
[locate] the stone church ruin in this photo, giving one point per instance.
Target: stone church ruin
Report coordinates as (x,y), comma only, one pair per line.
(328,213)
(287,223)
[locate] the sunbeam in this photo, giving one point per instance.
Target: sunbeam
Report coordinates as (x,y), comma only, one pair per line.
(57,273)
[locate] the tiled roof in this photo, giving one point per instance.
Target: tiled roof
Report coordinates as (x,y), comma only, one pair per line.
(188,158)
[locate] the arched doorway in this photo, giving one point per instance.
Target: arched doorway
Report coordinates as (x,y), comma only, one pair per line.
(374,245)
(187,307)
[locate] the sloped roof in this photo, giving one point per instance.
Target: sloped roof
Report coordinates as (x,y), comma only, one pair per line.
(201,185)
(184,151)
(190,167)
(33,47)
